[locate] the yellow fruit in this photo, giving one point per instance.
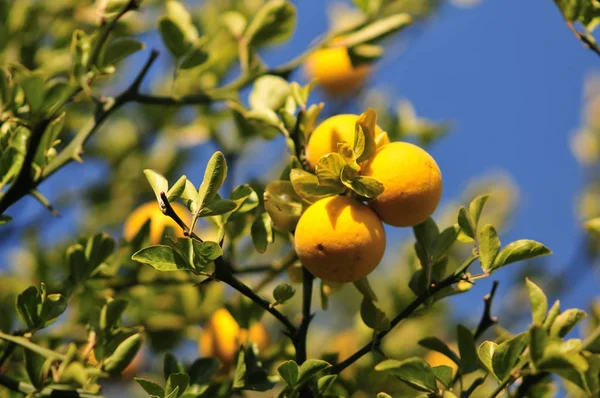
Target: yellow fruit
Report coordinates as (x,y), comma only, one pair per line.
(333,70)
(222,337)
(339,239)
(412,184)
(434,358)
(158,222)
(336,129)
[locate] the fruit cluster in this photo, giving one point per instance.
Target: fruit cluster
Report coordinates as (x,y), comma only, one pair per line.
(340,239)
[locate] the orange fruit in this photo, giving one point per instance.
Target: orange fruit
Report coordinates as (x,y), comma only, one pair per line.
(333,70)
(336,129)
(159,221)
(339,239)
(412,184)
(222,337)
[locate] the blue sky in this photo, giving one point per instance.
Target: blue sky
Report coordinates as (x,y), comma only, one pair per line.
(510,75)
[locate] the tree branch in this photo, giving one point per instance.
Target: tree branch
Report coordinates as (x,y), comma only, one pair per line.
(224,274)
(487,320)
(435,287)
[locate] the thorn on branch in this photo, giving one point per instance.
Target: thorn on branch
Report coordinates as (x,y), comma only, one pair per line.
(487,320)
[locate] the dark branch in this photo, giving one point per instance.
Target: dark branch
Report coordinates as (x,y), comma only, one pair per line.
(487,320)
(224,273)
(376,341)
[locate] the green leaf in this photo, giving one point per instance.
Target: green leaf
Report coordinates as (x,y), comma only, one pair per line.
(52,307)
(309,369)
(552,314)
(269,92)
(469,361)
(195,56)
(245,197)
(369,7)
(519,250)
(121,48)
(217,207)
(214,177)
(486,353)
(160,257)
(157,182)
(325,382)
(33,88)
(489,247)
(111,313)
(123,355)
(171,365)
(27,307)
(364,137)
(97,250)
(283,205)
(283,292)
(5,219)
(329,169)
(383,395)
(372,316)
(376,30)
(585,11)
(235,22)
(507,354)
(34,365)
(444,374)
(173,393)
(413,371)
(364,287)
(435,344)
(173,37)
(273,23)
(306,185)
(365,186)
(476,207)
(249,373)
(538,339)
(262,232)
(426,233)
(150,387)
(566,321)
(177,380)
(539,302)
(466,223)
(443,242)
(206,253)
(365,54)
(202,370)
(289,372)
(177,189)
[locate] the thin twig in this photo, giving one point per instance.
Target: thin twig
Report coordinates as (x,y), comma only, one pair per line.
(487,320)
(376,341)
(223,272)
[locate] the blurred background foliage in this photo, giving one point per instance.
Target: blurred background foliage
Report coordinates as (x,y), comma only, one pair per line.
(106,189)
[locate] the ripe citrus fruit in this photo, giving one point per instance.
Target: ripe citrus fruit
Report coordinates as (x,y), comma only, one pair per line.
(333,70)
(158,222)
(434,358)
(339,239)
(222,337)
(412,184)
(336,129)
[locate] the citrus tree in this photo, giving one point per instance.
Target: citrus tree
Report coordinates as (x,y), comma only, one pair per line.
(211,285)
